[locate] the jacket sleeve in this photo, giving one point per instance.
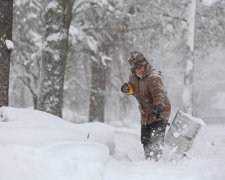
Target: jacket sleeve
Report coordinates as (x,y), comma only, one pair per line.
(157,91)
(131,81)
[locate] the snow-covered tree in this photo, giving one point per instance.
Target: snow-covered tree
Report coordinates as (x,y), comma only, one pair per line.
(26,58)
(57,21)
(189,59)
(97,31)
(109,27)
(6,46)
(209,84)
(99,54)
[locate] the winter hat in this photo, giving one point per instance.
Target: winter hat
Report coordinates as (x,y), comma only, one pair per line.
(136,60)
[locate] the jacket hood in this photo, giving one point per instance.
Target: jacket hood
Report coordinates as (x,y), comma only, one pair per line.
(136,60)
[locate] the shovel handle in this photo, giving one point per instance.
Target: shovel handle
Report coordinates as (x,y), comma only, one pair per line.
(150,109)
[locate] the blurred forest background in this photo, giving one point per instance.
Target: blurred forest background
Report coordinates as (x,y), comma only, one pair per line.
(101,35)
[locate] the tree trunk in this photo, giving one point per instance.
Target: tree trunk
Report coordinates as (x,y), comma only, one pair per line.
(6,19)
(189,62)
(57,21)
(97,92)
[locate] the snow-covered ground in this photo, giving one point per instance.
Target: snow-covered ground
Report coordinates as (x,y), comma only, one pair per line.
(38,146)
(206,159)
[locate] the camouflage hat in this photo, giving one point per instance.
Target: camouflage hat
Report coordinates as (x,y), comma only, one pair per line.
(136,60)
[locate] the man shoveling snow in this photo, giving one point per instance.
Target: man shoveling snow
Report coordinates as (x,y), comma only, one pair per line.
(147,84)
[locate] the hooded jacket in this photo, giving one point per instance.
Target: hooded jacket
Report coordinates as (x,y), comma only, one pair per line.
(151,90)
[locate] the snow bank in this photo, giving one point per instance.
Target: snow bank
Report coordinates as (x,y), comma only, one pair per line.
(57,161)
(37,145)
(27,126)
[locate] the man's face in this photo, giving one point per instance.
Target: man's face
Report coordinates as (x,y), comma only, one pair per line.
(140,70)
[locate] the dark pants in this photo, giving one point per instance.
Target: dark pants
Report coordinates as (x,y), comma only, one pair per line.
(152,138)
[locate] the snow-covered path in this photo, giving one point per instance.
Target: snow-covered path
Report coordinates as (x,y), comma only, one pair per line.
(206,161)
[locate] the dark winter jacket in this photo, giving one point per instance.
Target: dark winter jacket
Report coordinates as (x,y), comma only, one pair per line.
(151,90)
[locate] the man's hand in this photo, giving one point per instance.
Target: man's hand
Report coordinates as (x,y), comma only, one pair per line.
(125,88)
(156,111)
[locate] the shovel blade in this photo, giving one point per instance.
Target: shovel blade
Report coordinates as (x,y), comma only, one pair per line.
(182,133)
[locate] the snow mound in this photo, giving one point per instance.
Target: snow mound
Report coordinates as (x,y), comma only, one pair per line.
(37,145)
(57,161)
(28,127)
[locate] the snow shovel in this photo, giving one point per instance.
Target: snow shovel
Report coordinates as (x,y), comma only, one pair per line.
(183,129)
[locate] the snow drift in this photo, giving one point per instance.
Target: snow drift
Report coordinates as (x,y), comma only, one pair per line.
(38,145)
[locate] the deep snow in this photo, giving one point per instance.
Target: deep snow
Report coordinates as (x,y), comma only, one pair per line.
(206,159)
(40,146)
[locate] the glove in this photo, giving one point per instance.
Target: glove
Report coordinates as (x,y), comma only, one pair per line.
(125,88)
(155,111)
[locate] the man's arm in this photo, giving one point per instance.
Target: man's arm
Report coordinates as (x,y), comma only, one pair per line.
(158,92)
